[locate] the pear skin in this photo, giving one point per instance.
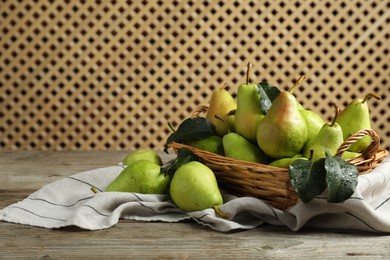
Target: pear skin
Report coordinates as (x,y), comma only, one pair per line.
(237,147)
(282,133)
(230,121)
(212,144)
(355,117)
(221,103)
(248,113)
(350,155)
(330,137)
(314,123)
(194,187)
(142,176)
(285,162)
(145,154)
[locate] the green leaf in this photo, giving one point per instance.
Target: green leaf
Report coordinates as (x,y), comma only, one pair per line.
(307,178)
(183,156)
(268,93)
(341,178)
(191,129)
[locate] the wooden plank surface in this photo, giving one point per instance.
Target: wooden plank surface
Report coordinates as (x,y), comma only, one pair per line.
(22,172)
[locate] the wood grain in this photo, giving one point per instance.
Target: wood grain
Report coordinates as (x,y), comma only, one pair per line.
(155,240)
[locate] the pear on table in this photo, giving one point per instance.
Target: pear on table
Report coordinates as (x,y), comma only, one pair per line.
(282,133)
(330,137)
(355,117)
(248,113)
(141,176)
(194,187)
(144,154)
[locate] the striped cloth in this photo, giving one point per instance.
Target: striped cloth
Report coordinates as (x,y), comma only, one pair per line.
(70,202)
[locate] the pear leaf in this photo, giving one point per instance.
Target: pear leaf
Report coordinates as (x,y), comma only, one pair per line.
(341,178)
(183,156)
(307,178)
(191,129)
(267,95)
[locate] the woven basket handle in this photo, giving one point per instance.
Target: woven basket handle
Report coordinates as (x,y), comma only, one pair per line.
(370,151)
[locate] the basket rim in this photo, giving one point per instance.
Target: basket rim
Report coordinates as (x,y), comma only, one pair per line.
(373,152)
(243,178)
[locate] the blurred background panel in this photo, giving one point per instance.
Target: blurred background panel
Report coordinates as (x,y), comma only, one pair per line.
(110,75)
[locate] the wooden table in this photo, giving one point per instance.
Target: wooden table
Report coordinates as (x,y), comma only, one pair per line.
(22,172)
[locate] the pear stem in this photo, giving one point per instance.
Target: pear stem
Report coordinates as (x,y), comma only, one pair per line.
(370,95)
(297,83)
(220,213)
(337,111)
(94,189)
(224,86)
(248,72)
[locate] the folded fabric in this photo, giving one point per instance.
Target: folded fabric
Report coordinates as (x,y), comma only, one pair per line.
(70,202)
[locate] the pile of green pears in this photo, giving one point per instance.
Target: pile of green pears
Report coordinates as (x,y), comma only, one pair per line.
(192,186)
(262,125)
(269,126)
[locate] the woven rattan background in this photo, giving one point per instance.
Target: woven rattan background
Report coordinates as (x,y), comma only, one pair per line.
(111,74)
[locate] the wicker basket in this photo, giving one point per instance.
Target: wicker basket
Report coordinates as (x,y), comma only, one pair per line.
(271,184)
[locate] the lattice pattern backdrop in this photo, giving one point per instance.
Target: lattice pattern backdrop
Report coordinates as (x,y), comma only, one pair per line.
(111,74)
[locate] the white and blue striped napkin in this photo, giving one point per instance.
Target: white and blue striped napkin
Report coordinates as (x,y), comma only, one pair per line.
(70,202)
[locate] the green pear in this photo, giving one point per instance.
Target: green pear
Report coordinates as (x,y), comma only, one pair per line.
(230,120)
(237,147)
(145,154)
(221,103)
(314,123)
(355,117)
(330,137)
(141,176)
(350,155)
(282,133)
(194,187)
(285,162)
(248,113)
(212,144)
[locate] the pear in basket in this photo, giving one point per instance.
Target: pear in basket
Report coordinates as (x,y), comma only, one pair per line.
(330,137)
(355,117)
(211,144)
(282,132)
(248,113)
(194,187)
(350,155)
(237,147)
(314,123)
(285,162)
(221,104)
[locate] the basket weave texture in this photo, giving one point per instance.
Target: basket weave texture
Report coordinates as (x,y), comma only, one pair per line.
(271,184)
